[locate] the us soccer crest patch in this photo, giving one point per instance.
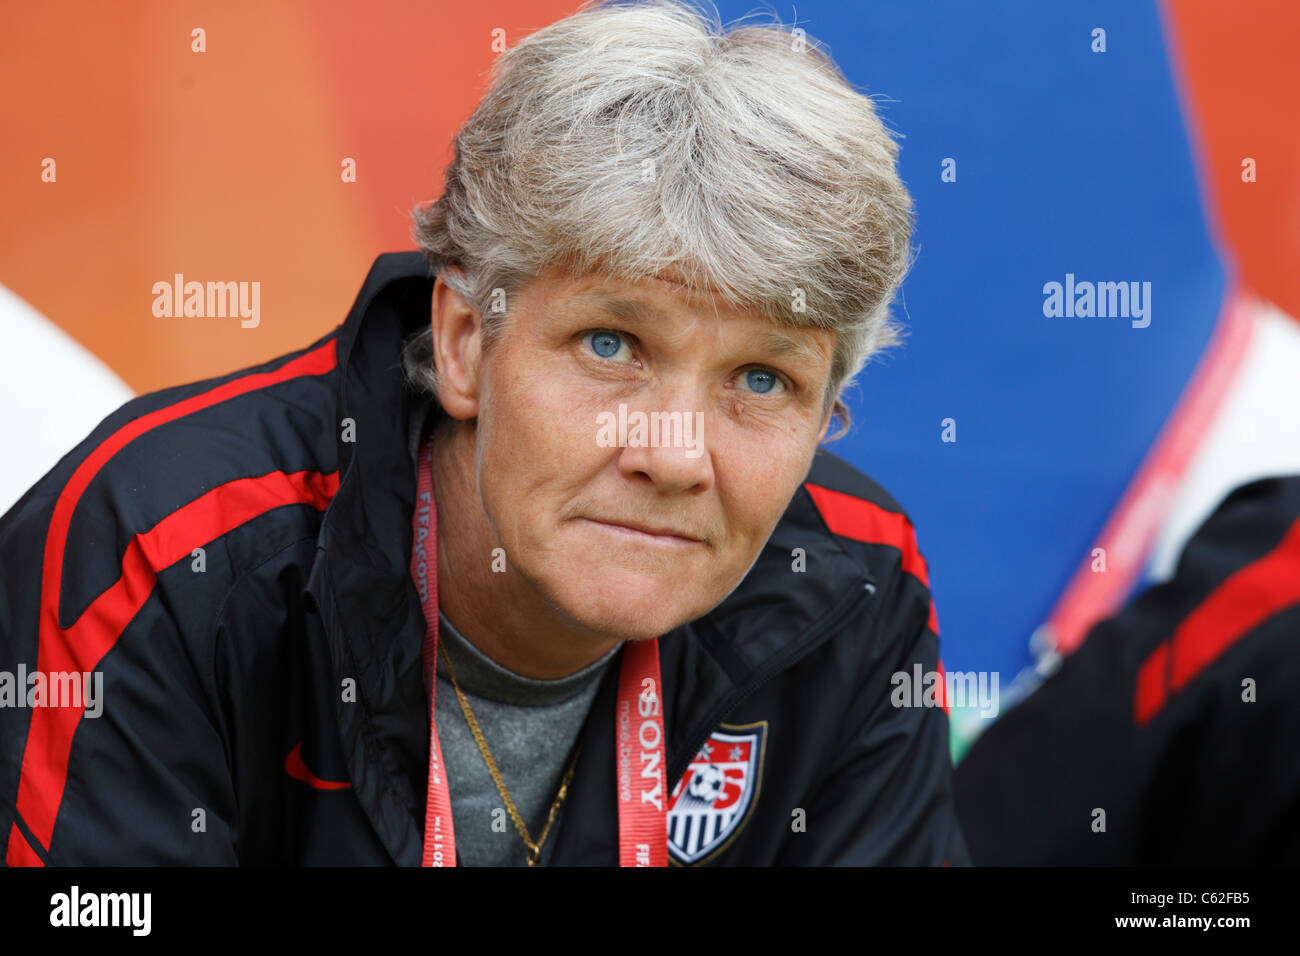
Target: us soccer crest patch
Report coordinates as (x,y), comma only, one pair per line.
(714,798)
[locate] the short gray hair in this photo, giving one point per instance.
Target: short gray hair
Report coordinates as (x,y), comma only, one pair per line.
(638,138)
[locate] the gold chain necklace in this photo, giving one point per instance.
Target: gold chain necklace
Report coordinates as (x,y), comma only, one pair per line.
(534,849)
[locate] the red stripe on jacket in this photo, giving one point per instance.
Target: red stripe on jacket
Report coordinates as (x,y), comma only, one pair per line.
(1246,599)
(20,852)
(861,520)
(81,646)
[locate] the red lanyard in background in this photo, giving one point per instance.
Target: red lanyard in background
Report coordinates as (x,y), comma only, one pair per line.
(638,717)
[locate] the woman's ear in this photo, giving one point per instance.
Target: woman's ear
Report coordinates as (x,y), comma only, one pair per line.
(457,348)
(828,412)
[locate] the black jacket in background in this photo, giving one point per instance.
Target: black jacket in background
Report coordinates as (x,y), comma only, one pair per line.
(1148,719)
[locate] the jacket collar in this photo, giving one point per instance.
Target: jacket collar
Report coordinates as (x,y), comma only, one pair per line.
(360,582)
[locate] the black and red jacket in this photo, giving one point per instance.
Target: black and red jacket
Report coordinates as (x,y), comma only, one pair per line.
(1175,724)
(229,562)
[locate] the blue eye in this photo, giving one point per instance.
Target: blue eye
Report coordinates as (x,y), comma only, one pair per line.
(762,381)
(605,344)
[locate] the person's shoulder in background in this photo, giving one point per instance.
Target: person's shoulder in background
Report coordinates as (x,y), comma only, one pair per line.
(1168,736)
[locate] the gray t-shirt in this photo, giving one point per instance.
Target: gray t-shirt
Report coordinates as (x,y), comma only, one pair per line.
(530,726)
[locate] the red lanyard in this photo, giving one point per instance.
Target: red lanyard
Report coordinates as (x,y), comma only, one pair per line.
(638,718)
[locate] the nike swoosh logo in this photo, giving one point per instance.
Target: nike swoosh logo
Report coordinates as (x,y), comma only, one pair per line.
(295,768)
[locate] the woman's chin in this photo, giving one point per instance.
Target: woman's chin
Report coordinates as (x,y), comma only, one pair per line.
(626,606)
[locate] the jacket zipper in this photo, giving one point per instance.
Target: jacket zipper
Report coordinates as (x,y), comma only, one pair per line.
(780,664)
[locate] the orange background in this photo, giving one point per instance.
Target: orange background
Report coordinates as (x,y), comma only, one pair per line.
(1239,72)
(225,165)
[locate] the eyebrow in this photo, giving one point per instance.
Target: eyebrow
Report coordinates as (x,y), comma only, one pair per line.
(627,309)
(773,341)
(780,344)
